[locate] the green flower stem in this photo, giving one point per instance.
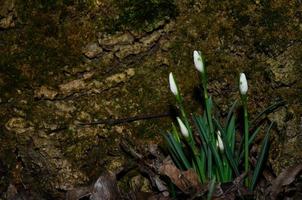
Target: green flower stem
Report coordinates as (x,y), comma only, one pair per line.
(210,123)
(210,174)
(246,139)
(190,140)
(226,169)
(209,113)
(184,117)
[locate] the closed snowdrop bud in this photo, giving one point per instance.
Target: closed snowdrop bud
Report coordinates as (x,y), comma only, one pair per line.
(198,62)
(243,84)
(183,128)
(172,83)
(219,142)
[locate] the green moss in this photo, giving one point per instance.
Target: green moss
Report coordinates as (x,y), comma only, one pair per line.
(139,14)
(47,5)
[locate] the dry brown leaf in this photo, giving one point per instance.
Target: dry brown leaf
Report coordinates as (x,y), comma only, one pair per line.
(78,193)
(286,177)
(184,180)
(105,188)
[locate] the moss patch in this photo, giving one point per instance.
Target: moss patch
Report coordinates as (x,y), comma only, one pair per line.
(138,14)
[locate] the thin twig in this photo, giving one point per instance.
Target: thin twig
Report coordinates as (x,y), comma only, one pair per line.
(125,120)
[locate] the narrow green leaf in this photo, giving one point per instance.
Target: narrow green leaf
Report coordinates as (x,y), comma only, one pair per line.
(173,151)
(217,158)
(202,132)
(201,166)
(230,114)
(251,140)
(211,189)
(172,143)
(209,167)
(227,149)
(175,132)
(230,133)
(267,110)
(261,158)
(174,158)
(231,160)
(178,148)
(218,125)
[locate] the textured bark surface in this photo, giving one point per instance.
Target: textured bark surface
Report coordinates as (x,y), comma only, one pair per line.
(67,63)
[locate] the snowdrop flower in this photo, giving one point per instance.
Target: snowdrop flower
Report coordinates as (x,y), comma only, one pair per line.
(198,62)
(183,128)
(243,84)
(219,142)
(173,86)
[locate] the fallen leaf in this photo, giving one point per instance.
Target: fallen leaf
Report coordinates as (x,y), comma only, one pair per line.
(105,188)
(285,178)
(78,193)
(184,180)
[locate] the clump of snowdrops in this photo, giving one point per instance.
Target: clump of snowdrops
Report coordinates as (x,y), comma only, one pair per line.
(209,146)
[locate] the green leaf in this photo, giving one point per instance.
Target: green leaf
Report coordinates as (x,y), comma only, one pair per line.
(172,150)
(251,140)
(209,162)
(230,133)
(217,158)
(266,111)
(201,166)
(261,158)
(201,129)
(230,114)
(211,188)
(227,149)
(174,158)
(175,132)
(178,151)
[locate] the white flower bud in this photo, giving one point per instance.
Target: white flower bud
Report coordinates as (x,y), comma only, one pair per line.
(183,129)
(173,86)
(198,62)
(219,142)
(243,84)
